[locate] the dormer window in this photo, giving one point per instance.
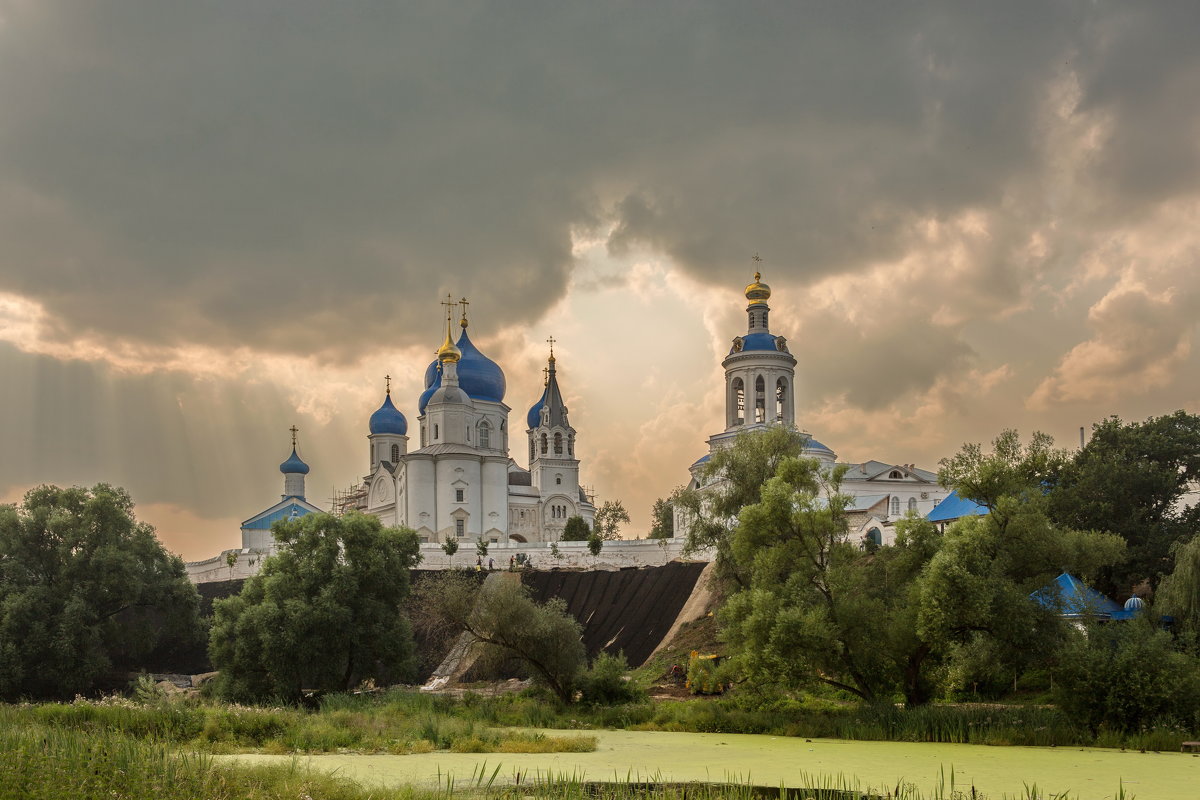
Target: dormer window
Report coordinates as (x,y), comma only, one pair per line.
(896,475)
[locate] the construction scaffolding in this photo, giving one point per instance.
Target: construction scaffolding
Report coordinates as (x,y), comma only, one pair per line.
(352,499)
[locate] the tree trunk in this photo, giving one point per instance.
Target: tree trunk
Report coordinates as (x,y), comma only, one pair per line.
(915,692)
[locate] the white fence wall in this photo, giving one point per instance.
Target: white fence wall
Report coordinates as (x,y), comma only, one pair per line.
(573,555)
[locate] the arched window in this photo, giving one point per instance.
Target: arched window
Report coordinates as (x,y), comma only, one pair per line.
(760,399)
(558,480)
(395,454)
(571,444)
(896,475)
(435,432)
(739,393)
(895,506)
(545,442)
(485,434)
(422,436)
(558,444)
(780,398)
(874,537)
(532,447)
(912,504)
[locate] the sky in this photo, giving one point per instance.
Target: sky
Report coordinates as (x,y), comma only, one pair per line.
(218,220)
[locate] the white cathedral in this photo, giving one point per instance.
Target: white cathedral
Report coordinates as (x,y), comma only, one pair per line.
(760,379)
(461,481)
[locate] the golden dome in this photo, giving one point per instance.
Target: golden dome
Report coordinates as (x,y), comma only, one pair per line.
(448,351)
(758,292)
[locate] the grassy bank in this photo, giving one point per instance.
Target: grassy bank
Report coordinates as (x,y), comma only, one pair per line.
(1034,726)
(398,723)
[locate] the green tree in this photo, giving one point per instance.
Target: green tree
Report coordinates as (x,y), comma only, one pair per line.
(1179,592)
(662,516)
(1127,677)
(450,547)
(594,543)
(324,613)
(609,519)
(731,479)
(84,589)
(1129,479)
(978,585)
(501,619)
(576,530)
(818,609)
(481,548)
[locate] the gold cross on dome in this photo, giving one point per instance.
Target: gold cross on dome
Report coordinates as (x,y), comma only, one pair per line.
(552,340)
(294,431)
(757,258)
(388,380)
(449,304)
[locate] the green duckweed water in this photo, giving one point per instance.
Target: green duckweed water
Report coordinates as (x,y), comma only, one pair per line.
(766,760)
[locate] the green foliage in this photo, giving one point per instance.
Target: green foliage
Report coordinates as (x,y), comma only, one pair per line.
(975,592)
(662,516)
(703,675)
(325,613)
(481,548)
(594,543)
(1179,593)
(450,547)
(731,479)
(502,619)
(1128,677)
(819,610)
(84,588)
(576,530)
(605,682)
(1129,479)
(609,519)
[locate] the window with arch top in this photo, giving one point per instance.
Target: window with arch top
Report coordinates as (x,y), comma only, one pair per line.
(760,399)
(780,398)
(395,454)
(545,442)
(912,504)
(558,444)
(895,506)
(739,392)
(485,434)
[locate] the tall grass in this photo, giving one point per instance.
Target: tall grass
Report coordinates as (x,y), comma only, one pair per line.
(407,724)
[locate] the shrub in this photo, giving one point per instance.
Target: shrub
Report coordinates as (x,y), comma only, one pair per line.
(1127,677)
(605,683)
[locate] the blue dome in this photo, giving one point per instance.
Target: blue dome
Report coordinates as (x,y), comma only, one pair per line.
(429,390)
(759,341)
(388,419)
(1135,604)
(431,373)
(813,444)
(479,376)
(534,417)
(294,466)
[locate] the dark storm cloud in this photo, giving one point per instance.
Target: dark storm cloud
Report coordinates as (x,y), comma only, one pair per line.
(310,177)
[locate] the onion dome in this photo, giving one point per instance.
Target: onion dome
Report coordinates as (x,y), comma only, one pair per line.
(479,376)
(1135,603)
(294,466)
(758,292)
(759,341)
(430,388)
(448,352)
(388,419)
(534,417)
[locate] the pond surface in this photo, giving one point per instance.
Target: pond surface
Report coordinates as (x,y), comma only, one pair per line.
(767,760)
